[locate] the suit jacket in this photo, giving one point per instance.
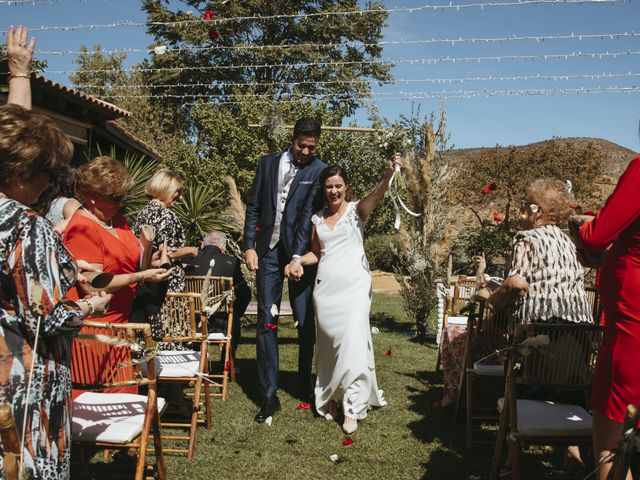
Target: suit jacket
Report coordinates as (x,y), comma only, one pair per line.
(296,218)
(225,266)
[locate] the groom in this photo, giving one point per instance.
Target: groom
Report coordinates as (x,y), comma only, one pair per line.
(276,229)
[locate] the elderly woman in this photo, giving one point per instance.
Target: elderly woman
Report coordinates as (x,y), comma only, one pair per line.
(37,322)
(99,234)
(545,282)
(616,227)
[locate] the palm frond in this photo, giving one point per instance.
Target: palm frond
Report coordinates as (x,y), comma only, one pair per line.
(197,212)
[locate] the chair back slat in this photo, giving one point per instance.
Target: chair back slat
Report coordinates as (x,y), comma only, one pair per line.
(567,362)
(102,355)
(179,319)
(209,290)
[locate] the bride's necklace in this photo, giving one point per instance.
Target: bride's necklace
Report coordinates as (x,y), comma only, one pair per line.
(105,225)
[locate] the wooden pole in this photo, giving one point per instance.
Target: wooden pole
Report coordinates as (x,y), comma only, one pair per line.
(331,128)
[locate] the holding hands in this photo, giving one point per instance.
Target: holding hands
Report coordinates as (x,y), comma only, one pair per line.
(294,270)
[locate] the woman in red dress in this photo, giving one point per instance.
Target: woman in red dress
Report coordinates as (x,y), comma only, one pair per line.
(101,236)
(617,377)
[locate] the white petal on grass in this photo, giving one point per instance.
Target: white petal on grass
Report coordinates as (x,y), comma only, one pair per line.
(333,457)
(295,324)
(274,310)
(268,421)
(375,330)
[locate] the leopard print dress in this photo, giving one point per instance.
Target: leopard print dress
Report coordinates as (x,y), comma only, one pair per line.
(36,271)
(167,226)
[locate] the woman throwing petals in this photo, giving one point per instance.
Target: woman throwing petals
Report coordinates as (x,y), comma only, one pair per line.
(342,299)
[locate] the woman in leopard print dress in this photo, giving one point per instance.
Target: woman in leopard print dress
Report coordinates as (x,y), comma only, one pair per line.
(164,189)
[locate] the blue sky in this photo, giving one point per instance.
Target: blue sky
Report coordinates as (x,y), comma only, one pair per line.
(472,122)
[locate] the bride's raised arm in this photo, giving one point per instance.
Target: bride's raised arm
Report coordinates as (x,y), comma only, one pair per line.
(370,202)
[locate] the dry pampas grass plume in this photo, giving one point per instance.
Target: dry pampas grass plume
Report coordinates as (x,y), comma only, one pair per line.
(234,213)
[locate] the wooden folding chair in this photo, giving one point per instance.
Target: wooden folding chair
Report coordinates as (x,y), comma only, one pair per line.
(462,290)
(594,300)
(566,364)
(482,380)
(108,356)
(179,319)
(217,291)
(10,444)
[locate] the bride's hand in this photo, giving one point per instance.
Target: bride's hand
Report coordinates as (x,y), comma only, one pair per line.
(294,269)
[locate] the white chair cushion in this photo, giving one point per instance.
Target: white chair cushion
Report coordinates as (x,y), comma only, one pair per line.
(457,320)
(488,370)
(175,363)
(109,417)
(216,336)
(539,418)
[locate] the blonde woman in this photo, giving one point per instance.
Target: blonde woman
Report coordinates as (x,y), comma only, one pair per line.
(164,189)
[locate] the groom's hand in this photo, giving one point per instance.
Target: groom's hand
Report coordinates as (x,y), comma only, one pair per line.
(251,259)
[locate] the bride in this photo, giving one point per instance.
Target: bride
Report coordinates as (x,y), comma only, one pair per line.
(342,299)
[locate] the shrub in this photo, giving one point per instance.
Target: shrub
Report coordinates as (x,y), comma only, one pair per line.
(382,251)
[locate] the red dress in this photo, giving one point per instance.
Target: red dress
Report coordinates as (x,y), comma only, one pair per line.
(617,376)
(89,241)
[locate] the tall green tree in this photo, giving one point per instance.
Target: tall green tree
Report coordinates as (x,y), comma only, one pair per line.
(289,34)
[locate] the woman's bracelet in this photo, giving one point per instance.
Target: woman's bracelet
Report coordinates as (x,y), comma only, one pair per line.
(141,278)
(92,309)
(19,75)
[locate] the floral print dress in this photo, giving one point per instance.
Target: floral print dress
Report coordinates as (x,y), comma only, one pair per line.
(167,226)
(36,271)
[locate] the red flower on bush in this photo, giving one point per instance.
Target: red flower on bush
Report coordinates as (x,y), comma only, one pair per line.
(489,187)
(347,441)
(213,33)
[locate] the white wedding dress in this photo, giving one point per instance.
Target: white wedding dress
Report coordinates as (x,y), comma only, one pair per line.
(342,299)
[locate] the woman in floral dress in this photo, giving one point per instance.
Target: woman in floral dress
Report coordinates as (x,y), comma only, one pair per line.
(164,189)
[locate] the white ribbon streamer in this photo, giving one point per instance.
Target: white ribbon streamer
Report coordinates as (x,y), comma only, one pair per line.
(397,201)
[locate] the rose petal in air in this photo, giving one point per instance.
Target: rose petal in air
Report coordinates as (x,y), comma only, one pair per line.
(274,310)
(272,326)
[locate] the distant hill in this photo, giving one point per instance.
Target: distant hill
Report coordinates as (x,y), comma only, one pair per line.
(617,157)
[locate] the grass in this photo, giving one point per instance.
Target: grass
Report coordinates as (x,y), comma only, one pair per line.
(403,440)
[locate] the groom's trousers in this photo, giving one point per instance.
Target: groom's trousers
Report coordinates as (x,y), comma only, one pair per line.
(269,283)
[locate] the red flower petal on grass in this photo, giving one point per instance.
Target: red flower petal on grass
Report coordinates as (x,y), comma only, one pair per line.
(590,212)
(496,217)
(388,352)
(304,406)
(347,441)
(227,366)
(486,189)
(272,326)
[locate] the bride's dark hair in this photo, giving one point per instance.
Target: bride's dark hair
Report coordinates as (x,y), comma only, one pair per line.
(332,171)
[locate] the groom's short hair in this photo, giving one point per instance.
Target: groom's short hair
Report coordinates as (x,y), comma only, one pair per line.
(307,127)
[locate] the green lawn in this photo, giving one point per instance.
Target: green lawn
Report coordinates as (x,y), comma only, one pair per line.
(404,440)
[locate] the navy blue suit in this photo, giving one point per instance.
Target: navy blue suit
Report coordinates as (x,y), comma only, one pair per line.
(295,232)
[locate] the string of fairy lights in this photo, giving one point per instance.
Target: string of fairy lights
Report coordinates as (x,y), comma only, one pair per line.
(176,90)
